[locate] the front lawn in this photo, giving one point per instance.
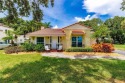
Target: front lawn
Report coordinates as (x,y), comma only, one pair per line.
(119,47)
(33,68)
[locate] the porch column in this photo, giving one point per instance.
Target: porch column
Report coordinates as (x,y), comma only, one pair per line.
(68,39)
(87,38)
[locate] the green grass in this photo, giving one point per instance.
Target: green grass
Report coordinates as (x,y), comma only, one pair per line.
(119,47)
(33,68)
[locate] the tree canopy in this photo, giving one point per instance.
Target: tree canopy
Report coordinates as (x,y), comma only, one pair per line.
(93,23)
(17,8)
(123,5)
(23,27)
(115,28)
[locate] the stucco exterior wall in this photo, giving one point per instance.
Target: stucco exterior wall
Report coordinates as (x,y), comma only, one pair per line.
(66,40)
(2,32)
(86,37)
(21,39)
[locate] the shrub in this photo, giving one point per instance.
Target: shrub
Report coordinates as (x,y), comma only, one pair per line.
(97,47)
(108,41)
(39,47)
(103,47)
(107,47)
(13,49)
(79,50)
(28,46)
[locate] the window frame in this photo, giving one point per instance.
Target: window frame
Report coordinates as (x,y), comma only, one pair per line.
(76,41)
(40,41)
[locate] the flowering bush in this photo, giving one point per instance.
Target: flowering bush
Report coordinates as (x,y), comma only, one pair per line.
(103,47)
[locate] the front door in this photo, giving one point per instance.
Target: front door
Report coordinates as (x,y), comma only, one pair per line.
(54,42)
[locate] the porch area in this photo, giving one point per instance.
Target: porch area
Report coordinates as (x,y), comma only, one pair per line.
(53,42)
(48,37)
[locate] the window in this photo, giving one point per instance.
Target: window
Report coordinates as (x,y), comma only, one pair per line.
(40,40)
(77,41)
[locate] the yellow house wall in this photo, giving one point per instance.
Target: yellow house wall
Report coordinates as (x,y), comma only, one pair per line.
(46,40)
(67,39)
(86,37)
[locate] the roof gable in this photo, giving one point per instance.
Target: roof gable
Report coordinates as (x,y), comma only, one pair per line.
(77,26)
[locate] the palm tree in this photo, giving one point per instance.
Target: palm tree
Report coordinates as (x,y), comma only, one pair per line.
(47,24)
(12,36)
(9,36)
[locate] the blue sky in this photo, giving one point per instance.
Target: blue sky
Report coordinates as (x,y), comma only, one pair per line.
(66,12)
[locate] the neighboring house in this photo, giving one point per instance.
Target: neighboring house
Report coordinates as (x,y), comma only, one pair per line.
(3,30)
(75,35)
(21,39)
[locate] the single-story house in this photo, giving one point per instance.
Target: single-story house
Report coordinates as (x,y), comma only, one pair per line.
(75,35)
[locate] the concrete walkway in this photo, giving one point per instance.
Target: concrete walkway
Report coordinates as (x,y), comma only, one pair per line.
(61,55)
(120,52)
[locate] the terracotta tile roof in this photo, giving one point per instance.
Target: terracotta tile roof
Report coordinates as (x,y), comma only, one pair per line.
(78,32)
(48,32)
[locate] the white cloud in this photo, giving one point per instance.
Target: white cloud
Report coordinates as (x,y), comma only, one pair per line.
(88,17)
(79,19)
(103,7)
(55,27)
(57,14)
(54,12)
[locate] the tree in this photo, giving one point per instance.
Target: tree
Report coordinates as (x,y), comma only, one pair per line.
(10,36)
(47,25)
(94,23)
(123,25)
(123,5)
(17,8)
(23,27)
(102,32)
(116,26)
(114,23)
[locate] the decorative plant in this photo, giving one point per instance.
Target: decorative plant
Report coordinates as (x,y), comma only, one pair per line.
(103,47)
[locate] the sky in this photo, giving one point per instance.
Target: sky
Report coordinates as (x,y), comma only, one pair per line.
(66,12)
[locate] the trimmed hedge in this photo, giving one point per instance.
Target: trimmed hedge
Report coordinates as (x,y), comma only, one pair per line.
(13,49)
(39,47)
(33,47)
(28,46)
(79,50)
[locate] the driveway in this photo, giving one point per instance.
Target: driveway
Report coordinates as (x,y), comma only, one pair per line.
(120,52)
(62,55)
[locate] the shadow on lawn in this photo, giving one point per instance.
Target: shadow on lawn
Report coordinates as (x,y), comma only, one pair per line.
(52,70)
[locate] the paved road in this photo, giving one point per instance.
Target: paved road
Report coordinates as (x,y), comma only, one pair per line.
(120,52)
